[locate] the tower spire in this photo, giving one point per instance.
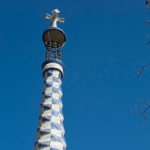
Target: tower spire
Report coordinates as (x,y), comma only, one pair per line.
(50,130)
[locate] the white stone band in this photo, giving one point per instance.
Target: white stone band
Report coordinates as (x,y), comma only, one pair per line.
(53,65)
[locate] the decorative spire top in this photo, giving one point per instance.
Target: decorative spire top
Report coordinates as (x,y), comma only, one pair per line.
(54,18)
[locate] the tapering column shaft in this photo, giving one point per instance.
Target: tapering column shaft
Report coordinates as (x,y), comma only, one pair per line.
(50,130)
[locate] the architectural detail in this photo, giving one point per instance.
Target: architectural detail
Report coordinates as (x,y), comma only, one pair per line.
(50,130)
(54,18)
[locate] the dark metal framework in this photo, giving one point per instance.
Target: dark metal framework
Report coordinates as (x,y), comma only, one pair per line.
(54,39)
(53,51)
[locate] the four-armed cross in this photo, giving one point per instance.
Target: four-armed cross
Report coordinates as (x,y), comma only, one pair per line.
(54,18)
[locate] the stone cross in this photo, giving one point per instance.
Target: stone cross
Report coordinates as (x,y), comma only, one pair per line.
(54,18)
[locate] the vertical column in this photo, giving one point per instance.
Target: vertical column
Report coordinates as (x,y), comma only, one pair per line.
(50,130)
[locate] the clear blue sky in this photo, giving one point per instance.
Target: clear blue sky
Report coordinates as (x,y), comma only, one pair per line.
(106,42)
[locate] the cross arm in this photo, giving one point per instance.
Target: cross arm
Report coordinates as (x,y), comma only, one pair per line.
(61,20)
(48,17)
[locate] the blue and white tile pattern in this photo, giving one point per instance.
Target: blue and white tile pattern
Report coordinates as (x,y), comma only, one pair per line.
(50,130)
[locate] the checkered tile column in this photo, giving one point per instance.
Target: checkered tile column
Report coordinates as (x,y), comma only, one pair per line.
(50,130)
